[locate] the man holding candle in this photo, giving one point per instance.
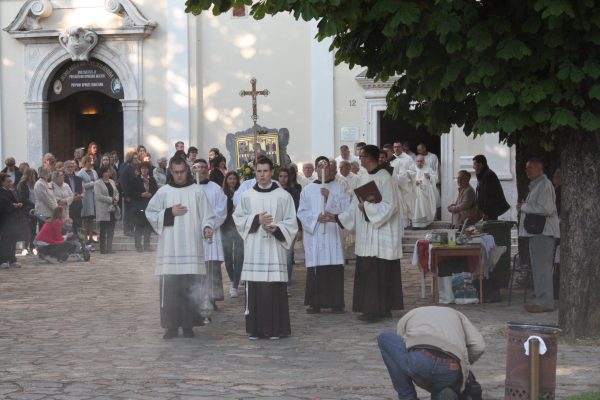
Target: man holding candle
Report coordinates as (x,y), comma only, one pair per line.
(320,201)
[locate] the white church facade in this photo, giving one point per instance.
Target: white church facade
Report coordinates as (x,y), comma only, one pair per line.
(129,72)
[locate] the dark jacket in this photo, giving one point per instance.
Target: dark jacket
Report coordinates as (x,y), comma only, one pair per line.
(136,188)
(490,196)
(12,221)
(77,184)
(23,196)
(17,175)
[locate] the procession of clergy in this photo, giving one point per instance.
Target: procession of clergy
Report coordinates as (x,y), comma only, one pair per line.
(187,217)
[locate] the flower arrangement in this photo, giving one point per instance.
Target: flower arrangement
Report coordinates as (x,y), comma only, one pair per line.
(246,171)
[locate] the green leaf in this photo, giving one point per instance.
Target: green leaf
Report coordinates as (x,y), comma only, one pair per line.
(563,118)
(509,49)
(504,97)
(568,70)
(511,122)
(592,69)
(533,94)
(451,75)
(479,38)
(414,49)
(589,121)
(384,8)
(454,44)
(449,24)
(541,116)
(594,92)
(408,14)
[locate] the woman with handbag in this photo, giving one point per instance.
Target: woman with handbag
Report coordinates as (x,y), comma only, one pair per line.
(540,224)
(106,197)
(141,190)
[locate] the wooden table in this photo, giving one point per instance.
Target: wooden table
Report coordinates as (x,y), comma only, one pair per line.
(438,252)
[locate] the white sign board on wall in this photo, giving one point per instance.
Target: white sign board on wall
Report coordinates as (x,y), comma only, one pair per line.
(349,134)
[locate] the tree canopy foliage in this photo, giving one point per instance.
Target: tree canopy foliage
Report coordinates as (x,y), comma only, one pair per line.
(526,69)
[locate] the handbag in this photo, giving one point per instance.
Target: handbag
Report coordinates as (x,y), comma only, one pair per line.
(116,209)
(534,223)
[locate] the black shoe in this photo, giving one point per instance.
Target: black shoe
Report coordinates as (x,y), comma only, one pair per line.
(170,334)
(139,249)
(337,310)
(387,314)
(188,333)
(313,310)
(368,318)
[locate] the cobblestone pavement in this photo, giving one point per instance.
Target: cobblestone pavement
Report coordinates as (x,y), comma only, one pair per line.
(91,331)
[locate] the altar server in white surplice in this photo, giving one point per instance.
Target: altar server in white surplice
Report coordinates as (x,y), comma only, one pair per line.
(378,227)
(424,209)
(213,250)
(265,217)
(182,216)
(323,242)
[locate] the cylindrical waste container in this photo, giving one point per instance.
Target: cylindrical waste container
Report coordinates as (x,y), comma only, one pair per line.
(500,230)
(517,384)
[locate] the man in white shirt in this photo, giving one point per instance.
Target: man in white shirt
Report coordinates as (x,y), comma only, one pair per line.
(345,155)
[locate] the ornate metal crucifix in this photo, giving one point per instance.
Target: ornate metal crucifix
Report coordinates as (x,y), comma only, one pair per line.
(254,93)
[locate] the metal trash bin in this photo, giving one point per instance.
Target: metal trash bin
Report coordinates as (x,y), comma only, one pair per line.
(500,230)
(518,372)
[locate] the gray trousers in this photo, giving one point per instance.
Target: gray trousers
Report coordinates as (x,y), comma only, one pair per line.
(541,254)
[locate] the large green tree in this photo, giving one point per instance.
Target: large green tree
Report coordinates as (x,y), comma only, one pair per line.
(529,69)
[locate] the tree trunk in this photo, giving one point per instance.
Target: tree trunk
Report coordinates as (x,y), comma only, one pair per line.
(579,310)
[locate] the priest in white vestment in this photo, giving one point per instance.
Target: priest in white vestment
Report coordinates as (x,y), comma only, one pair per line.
(432,161)
(181,215)
(378,227)
(425,207)
(308,174)
(266,219)
(323,243)
(213,249)
(404,172)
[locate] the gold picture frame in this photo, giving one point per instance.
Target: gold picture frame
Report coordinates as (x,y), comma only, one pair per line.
(269,147)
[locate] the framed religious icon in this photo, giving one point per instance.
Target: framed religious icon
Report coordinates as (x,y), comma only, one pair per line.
(267,144)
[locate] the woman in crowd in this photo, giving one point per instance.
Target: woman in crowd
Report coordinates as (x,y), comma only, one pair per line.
(62,192)
(12,227)
(89,176)
(293,178)
(143,187)
(45,201)
(105,162)
(93,152)
(51,244)
(233,245)
(107,202)
(284,181)
(26,195)
(160,172)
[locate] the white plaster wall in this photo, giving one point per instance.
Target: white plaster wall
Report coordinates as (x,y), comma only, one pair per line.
(349,104)
(12,88)
(276,51)
(155,63)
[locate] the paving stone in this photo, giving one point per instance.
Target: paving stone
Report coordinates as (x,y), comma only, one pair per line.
(92,331)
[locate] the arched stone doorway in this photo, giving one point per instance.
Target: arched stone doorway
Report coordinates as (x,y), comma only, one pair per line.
(81,118)
(84,106)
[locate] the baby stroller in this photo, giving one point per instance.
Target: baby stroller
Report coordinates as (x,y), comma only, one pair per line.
(76,245)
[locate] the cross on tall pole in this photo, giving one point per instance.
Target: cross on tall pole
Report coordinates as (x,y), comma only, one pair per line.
(254,93)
